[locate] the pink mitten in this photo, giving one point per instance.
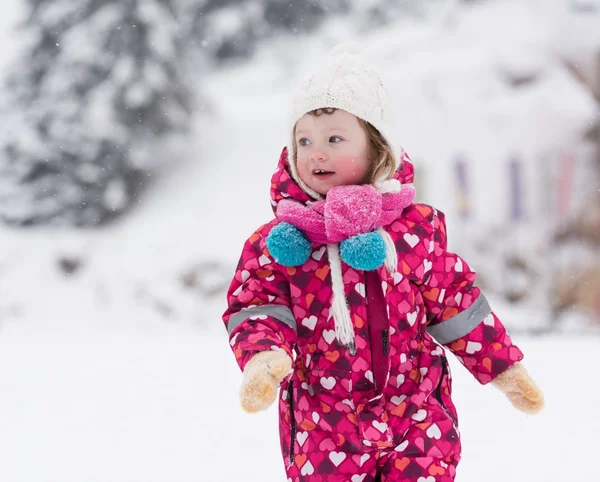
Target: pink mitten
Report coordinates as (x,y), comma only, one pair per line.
(520,389)
(262,376)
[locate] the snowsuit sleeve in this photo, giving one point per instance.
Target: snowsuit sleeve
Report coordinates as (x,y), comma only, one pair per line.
(459,316)
(259,315)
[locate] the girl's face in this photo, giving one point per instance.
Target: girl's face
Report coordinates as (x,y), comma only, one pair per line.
(331,150)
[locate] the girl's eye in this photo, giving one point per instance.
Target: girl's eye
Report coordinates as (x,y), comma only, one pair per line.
(304,141)
(335,139)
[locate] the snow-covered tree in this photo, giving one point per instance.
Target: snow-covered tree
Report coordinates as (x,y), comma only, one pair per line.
(98,84)
(226,29)
(231,29)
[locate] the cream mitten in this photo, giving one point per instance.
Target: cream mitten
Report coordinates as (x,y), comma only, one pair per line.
(262,375)
(520,389)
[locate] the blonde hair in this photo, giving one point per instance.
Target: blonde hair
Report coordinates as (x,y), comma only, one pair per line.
(380,154)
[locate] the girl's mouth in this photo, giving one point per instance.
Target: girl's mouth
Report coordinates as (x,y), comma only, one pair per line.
(322,173)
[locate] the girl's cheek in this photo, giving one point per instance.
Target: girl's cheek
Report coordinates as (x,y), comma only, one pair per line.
(348,161)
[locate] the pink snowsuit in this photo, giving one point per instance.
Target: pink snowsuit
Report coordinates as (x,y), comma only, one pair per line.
(385,413)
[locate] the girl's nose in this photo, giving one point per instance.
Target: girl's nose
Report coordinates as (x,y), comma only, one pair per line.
(318,155)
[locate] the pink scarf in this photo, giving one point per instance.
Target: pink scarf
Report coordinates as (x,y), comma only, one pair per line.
(347,211)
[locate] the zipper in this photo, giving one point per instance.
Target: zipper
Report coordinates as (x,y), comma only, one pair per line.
(370,342)
(386,341)
(292,420)
(438,390)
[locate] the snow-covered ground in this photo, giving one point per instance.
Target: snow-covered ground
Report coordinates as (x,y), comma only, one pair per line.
(120,373)
(148,408)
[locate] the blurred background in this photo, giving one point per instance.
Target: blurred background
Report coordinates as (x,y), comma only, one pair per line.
(137,143)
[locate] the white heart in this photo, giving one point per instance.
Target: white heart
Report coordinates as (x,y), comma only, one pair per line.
(411,239)
(398,400)
(384,286)
(438,351)
(411,318)
(263,260)
(423,371)
(369,375)
(234,339)
(434,432)
(358,478)
(258,317)
(301,437)
(307,468)
(442,295)
(360,289)
(308,359)
(458,267)
(316,417)
(318,254)
(239,290)
(310,322)
(337,457)
(489,320)
(426,479)
(420,415)
(397,277)
(328,382)
(381,426)
(427,265)
(350,403)
(399,380)
(245,275)
(402,446)
(431,246)
(364,458)
(329,336)
(403,358)
(458,298)
(473,346)
(308,388)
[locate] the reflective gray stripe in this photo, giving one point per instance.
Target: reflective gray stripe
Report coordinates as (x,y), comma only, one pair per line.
(279,312)
(461,324)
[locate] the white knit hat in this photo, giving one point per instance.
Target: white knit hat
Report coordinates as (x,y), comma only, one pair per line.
(344,81)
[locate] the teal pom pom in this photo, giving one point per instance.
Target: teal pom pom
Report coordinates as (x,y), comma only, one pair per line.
(364,251)
(288,245)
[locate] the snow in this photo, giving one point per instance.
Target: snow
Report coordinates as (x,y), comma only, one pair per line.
(121,372)
(164,408)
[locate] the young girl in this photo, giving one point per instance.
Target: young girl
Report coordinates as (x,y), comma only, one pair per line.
(349,299)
